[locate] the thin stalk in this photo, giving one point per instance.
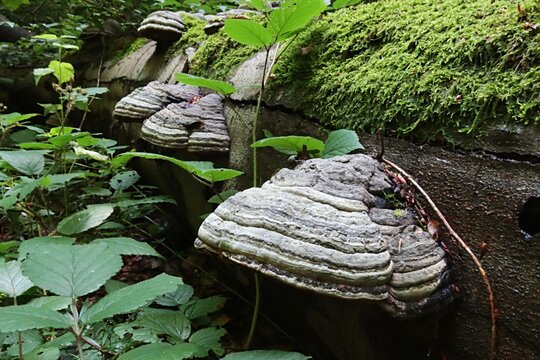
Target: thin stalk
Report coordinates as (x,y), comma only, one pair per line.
(19,336)
(256,310)
(76,329)
(491,296)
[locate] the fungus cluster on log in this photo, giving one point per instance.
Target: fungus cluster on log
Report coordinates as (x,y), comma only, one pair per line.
(324,227)
(177,116)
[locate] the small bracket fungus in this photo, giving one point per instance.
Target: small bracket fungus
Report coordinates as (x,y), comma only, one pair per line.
(198,126)
(162,26)
(320,227)
(145,101)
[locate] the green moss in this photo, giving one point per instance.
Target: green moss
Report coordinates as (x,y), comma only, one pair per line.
(218,56)
(193,36)
(435,67)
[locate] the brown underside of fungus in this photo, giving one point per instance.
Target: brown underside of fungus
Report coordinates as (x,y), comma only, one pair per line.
(162,26)
(145,101)
(322,227)
(198,126)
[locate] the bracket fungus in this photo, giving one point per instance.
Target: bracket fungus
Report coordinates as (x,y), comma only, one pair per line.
(321,227)
(145,101)
(162,26)
(198,126)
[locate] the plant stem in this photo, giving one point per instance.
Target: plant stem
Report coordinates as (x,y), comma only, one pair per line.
(19,336)
(256,311)
(76,329)
(491,296)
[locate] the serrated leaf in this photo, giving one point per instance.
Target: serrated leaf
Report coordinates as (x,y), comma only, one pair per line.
(165,322)
(63,71)
(266,355)
(124,179)
(159,351)
(200,307)
(288,20)
(189,166)
(12,281)
(29,162)
(248,32)
(216,175)
(183,293)
(51,302)
(24,317)
(291,145)
(127,246)
(12,118)
(41,72)
(43,353)
(71,270)
(208,339)
(35,242)
(85,219)
(221,87)
(130,298)
(341,142)
(30,340)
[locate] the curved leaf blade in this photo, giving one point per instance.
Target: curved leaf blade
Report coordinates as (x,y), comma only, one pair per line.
(221,87)
(341,142)
(24,317)
(248,32)
(12,281)
(127,246)
(266,355)
(291,145)
(85,219)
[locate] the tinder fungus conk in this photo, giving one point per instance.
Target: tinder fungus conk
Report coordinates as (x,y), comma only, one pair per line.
(162,26)
(319,227)
(198,126)
(145,101)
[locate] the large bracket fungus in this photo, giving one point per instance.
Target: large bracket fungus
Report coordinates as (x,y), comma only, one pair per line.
(321,227)
(162,26)
(145,101)
(198,126)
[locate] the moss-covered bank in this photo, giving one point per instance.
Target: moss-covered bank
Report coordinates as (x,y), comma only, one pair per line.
(441,66)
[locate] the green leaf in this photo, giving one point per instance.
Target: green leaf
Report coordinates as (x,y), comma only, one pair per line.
(288,20)
(144,201)
(18,193)
(31,339)
(62,179)
(248,32)
(43,353)
(85,219)
(215,175)
(130,298)
(48,37)
(63,71)
(189,166)
(165,322)
(291,145)
(15,117)
(124,179)
(257,4)
(208,339)
(183,293)
(12,281)
(341,142)
(222,196)
(24,317)
(35,242)
(112,285)
(159,351)
(221,87)
(29,162)
(51,302)
(200,307)
(5,246)
(266,355)
(14,4)
(41,72)
(71,270)
(128,246)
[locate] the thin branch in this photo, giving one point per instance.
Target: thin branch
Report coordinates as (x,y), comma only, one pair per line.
(491,296)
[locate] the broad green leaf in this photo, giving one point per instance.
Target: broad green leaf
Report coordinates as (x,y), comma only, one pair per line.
(37,146)
(31,339)
(97,191)
(12,118)
(82,152)
(288,20)
(144,201)
(5,246)
(159,351)
(124,179)
(92,91)
(266,355)
(71,270)
(165,322)
(128,246)
(200,307)
(61,140)
(215,175)
(291,145)
(130,298)
(341,142)
(61,179)
(24,317)
(43,353)
(35,242)
(41,72)
(222,196)
(63,71)
(29,162)
(18,193)
(178,297)
(248,32)
(221,87)
(22,136)
(189,166)
(85,219)
(208,339)
(51,302)
(257,4)
(12,281)
(143,335)
(112,285)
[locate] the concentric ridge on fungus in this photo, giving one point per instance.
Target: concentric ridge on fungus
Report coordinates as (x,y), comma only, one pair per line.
(162,26)
(321,227)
